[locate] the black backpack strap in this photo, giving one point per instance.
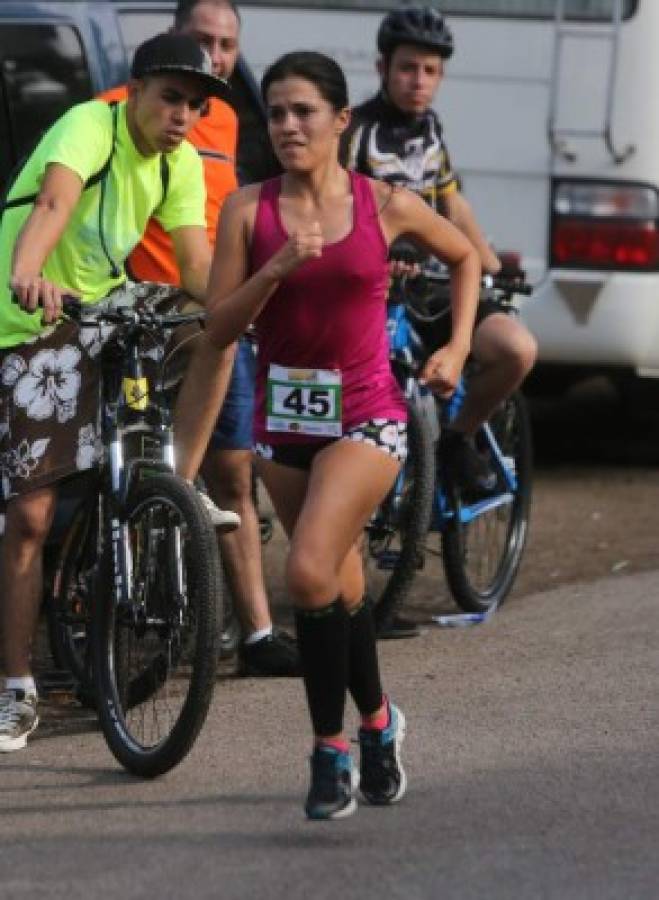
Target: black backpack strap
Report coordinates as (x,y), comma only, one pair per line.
(103,171)
(164,176)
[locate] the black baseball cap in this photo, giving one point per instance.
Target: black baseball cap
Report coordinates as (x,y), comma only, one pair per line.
(177,53)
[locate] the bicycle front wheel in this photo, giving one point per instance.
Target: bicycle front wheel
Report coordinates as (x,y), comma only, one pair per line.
(394,539)
(482,551)
(155,657)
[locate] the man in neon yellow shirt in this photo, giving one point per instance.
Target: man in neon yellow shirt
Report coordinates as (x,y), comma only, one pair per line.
(64,229)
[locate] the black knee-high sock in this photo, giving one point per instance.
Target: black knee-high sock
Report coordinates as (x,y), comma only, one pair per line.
(364,670)
(323,637)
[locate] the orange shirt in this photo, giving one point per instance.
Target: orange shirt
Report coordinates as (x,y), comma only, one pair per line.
(216,137)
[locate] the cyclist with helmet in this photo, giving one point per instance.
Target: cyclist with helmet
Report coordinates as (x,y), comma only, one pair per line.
(397,136)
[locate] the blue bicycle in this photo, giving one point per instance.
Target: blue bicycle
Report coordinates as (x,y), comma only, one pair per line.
(481,541)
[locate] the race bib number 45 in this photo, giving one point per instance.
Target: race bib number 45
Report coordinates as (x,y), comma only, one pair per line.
(304,401)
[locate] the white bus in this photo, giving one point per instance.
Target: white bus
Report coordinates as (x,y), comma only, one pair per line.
(551,114)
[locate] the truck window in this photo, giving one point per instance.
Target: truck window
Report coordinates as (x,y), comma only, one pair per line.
(42,73)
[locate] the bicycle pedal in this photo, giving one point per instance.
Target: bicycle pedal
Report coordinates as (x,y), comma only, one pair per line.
(388,560)
(57,686)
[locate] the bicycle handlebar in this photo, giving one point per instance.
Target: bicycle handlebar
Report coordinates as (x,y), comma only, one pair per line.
(488,282)
(88,317)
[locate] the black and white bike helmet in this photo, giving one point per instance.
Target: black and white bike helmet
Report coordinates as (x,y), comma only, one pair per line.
(421,26)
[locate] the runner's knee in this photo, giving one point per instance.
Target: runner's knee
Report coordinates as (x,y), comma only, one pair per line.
(310,581)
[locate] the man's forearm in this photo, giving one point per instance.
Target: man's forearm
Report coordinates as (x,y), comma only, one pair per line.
(38,236)
(194,281)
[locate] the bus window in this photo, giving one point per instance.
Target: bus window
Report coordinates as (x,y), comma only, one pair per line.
(586,10)
(44,72)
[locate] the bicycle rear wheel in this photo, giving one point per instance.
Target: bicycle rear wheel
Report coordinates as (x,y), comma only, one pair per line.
(481,556)
(68,603)
(155,659)
(394,538)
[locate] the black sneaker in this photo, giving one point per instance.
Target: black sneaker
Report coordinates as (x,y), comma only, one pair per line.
(383,780)
(274,656)
(397,628)
(466,465)
(334,781)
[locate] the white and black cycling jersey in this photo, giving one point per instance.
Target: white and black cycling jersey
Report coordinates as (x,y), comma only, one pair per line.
(392,146)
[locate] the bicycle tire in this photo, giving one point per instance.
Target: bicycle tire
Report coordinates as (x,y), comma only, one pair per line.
(68,602)
(143,655)
(395,536)
(481,558)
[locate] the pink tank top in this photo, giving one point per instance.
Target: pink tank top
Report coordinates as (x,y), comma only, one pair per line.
(330,313)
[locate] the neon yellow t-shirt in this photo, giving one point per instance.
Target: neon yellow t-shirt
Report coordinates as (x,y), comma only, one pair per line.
(81,140)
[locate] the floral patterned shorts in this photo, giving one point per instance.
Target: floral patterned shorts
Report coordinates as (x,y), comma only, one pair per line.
(388,435)
(49,408)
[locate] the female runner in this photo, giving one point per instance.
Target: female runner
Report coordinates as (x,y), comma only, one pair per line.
(304,258)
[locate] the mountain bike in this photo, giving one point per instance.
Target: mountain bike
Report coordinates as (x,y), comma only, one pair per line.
(137,589)
(482,540)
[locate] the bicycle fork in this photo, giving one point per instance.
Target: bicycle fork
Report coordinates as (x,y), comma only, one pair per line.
(122,557)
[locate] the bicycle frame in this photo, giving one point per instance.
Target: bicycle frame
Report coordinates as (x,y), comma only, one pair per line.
(125,399)
(405,353)
(481,534)
(131,403)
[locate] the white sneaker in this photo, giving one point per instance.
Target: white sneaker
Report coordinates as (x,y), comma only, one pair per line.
(224,519)
(18,719)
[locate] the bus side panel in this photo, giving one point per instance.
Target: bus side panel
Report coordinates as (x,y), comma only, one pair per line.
(494,107)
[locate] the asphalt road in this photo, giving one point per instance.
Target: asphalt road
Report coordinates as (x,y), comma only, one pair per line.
(532,761)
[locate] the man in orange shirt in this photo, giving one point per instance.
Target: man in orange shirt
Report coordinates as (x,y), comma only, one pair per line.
(226,469)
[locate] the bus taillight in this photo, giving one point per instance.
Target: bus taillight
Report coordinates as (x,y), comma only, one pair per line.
(605,225)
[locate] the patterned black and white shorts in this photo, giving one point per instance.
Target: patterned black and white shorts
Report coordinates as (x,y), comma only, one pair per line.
(388,435)
(49,408)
